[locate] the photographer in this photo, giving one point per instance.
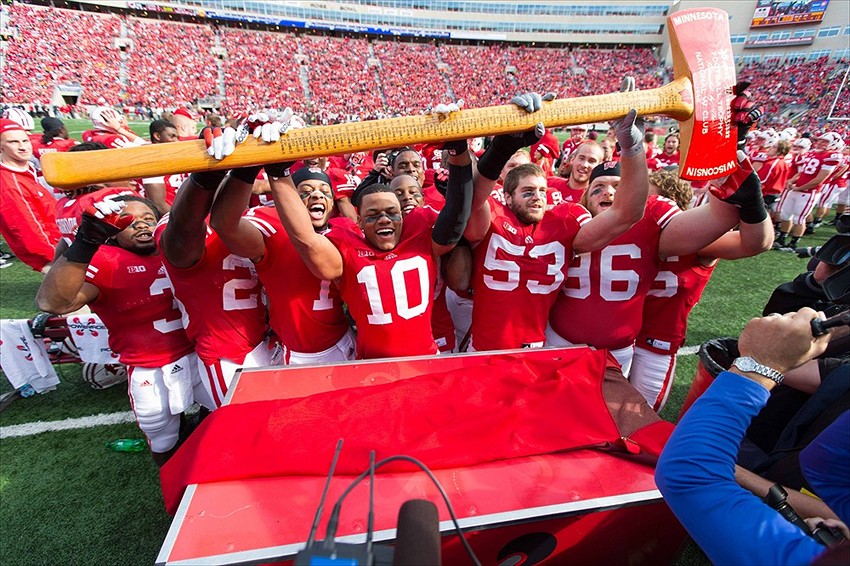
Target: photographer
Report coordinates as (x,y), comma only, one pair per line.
(696,471)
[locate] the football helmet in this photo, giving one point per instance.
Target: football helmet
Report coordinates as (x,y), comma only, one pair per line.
(21,117)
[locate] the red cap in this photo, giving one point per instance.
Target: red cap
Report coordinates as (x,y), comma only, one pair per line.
(9,126)
(184,112)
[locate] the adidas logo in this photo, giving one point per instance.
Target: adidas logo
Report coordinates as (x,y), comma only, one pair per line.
(145,383)
(176,369)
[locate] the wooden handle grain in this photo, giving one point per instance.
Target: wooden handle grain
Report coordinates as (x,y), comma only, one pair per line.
(68,170)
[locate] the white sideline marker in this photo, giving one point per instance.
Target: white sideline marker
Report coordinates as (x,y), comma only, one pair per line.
(28,429)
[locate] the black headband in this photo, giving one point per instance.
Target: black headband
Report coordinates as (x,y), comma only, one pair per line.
(607,169)
(308,173)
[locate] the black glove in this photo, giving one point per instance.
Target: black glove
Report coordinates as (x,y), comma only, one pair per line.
(456,147)
(100,222)
(745,112)
(503,147)
(246,174)
(743,189)
(278,170)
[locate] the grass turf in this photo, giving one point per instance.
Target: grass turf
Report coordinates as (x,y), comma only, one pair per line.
(67,499)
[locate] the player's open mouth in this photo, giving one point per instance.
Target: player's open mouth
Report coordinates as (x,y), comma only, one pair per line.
(317,211)
(408,207)
(385,232)
(606,204)
(143,237)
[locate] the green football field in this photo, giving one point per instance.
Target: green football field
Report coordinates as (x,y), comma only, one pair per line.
(67,499)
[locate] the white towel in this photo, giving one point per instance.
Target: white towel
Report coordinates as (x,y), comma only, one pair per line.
(23,358)
(178,380)
(91,338)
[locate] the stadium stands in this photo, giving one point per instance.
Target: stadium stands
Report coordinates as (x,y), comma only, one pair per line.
(334,79)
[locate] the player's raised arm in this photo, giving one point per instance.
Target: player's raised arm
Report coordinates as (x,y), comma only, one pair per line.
(490,165)
(227,215)
(317,252)
(451,222)
(633,188)
(183,240)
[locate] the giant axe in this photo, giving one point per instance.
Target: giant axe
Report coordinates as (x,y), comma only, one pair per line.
(699,97)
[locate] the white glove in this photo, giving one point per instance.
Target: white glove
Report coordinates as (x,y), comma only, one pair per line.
(443,110)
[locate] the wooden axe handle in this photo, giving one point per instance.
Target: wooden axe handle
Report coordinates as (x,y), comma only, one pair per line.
(75,169)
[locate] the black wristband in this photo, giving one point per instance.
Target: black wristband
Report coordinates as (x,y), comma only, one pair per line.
(246,174)
(208,180)
(80,251)
(451,222)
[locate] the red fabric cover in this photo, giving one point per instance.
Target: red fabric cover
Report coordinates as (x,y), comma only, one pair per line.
(508,408)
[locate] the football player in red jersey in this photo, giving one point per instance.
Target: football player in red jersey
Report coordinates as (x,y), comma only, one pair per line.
(410,197)
(305,311)
(574,172)
(70,208)
(126,285)
(609,285)
(521,251)
(55,138)
(804,188)
(28,211)
(386,272)
(833,185)
(162,190)
(218,292)
(578,133)
(110,129)
(774,172)
(667,158)
(677,289)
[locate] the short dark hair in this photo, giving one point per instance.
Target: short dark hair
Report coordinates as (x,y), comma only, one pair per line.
(88,146)
(159,126)
(514,175)
(371,190)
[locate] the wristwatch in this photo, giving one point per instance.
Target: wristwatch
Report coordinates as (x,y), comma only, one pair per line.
(747,364)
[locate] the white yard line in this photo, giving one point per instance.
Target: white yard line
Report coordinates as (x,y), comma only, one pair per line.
(28,429)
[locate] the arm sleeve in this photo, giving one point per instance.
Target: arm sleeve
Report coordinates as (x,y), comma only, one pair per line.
(696,475)
(452,220)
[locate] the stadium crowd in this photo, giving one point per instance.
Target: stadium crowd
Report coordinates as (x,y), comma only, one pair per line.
(405,252)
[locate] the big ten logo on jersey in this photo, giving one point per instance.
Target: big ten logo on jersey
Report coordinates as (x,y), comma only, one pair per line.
(242,290)
(507,226)
(506,264)
(613,284)
(410,290)
(136,269)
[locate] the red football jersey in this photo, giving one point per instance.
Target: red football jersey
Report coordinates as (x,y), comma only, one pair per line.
(602,300)
(797,162)
(109,139)
(773,175)
(675,292)
(221,300)
(305,312)
(558,190)
(817,161)
(69,211)
(342,182)
(40,148)
(390,294)
(517,272)
(569,146)
(137,306)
